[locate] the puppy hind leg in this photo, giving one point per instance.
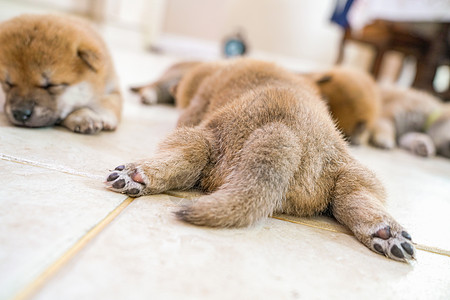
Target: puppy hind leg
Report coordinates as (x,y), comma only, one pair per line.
(256,185)
(159,92)
(383,134)
(358,203)
(163,89)
(177,165)
(417,143)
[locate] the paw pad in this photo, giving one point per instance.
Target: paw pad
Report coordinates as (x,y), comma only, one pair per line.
(395,250)
(112,176)
(383,233)
(127,180)
(406,235)
(395,244)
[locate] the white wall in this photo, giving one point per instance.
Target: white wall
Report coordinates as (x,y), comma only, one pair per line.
(294,28)
(298,28)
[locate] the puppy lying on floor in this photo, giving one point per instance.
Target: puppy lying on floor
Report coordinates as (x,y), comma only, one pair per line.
(57,70)
(259,140)
(352,95)
(353,98)
(417,121)
(161,91)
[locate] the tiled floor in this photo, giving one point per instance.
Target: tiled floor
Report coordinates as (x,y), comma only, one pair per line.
(63,236)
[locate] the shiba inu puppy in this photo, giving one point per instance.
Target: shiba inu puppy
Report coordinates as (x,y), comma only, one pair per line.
(415,120)
(259,140)
(57,70)
(162,90)
(353,99)
(352,95)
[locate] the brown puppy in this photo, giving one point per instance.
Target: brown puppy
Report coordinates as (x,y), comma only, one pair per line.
(162,90)
(57,70)
(417,121)
(353,98)
(259,140)
(352,95)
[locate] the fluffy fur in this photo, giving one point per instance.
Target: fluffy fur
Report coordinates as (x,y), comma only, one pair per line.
(352,95)
(353,99)
(56,70)
(259,140)
(415,120)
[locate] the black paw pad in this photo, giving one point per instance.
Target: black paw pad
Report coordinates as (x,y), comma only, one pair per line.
(120,168)
(133,191)
(397,252)
(406,235)
(112,176)
(378,248)
(408,248)
(119,184)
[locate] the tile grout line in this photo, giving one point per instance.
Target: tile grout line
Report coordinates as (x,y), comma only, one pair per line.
(46,275)
(430,249)
(41,279)
(83,174)
(337,229)
(47,166)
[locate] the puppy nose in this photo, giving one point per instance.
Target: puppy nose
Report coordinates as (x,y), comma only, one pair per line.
(22,114)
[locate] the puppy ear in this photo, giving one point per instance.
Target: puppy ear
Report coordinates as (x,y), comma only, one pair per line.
(324,79)
(91,57)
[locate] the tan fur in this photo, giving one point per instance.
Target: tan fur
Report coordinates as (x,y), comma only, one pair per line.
(404,118)
(188,87)
(259,140)
(57,69)
(163,89)
(352,95)
(353,98)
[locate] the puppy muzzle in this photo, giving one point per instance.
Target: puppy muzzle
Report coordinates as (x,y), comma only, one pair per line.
(22,112)
(28,114)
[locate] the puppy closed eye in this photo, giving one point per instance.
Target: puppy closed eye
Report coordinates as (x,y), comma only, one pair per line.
(7,85)
(53,88)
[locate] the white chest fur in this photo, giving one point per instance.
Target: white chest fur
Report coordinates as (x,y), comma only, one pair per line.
(75,97)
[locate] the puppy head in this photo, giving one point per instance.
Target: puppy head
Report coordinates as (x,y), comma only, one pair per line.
(439,132)
(45,65)
(353,100)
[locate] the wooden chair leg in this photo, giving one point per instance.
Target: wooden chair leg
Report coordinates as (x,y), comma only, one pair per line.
(376,65)
(344,39)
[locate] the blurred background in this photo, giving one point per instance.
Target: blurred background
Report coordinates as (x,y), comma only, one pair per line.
(403,41)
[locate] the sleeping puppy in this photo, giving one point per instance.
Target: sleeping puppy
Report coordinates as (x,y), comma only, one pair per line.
(259,140)
(353,99)
(162,90)
(352,95)
(57,70)
(415,120)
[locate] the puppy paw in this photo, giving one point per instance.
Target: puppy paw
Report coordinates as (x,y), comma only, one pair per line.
(383,142)
(393,243)
(87,121)
(84,121)
(127,179)
(149,95)
(418,143)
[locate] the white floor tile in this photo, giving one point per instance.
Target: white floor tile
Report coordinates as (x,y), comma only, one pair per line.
(42,214)
(147,253)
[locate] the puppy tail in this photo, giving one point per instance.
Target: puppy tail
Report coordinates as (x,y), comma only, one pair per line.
(256,185)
